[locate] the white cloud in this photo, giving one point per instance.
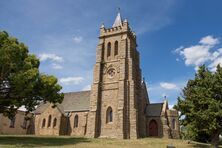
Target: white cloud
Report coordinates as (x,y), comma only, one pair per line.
(78,59)
(202,53)
(158,93)
(87,87)
(209,40)
(77,39)
(196,55)
(177,50)
(56,66)
(214,64)
(167,85)
(52,57)
(71,80)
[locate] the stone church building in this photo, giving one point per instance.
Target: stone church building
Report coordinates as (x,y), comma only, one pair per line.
(117,105)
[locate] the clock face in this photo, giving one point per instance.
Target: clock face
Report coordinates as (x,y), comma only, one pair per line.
(111,72)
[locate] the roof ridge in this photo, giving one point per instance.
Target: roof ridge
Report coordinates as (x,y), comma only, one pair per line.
(77,91)
(155,103)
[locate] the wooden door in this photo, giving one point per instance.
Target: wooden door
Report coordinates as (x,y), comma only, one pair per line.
(153,128)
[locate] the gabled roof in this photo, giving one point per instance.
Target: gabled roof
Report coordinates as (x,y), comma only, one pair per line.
(41,108)
(76,101)
(154,110)
(73,101)
(118,21)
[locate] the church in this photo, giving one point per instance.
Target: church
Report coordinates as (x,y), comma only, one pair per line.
(117,106)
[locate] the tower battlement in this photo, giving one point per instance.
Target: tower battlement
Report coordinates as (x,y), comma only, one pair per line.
(116,30)
(118,27)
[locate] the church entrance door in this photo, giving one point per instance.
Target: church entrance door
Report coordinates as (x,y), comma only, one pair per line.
(153,128)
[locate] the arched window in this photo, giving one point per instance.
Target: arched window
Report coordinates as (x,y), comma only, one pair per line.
(116,48)
(108,49)
(54,122)
(49,120)
(43,123)
(76,120)
(24,125)
(12,123)
(109,115)
(173,124)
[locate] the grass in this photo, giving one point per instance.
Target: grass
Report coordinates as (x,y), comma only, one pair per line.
(8,141)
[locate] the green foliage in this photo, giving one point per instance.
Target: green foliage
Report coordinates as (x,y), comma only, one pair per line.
(201,105)
(21,83)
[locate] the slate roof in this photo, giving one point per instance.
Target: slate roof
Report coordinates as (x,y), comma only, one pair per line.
(154,110)
(76,101)
(73,101)
(41,108)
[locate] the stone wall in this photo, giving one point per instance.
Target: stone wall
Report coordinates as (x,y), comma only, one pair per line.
(173,119)
(64,123)
(117,84)
(80,130)
(51,129)
(19,128)
(142,101)
(109,99)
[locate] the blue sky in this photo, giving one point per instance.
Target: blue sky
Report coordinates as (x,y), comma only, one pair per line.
(174,37)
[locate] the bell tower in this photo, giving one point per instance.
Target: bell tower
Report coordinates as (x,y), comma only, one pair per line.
(116,90)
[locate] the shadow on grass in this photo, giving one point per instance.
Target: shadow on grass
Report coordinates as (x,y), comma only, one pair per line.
(34,141)
(202,145)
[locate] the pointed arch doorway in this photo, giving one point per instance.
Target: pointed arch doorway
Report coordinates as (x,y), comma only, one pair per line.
(153,128)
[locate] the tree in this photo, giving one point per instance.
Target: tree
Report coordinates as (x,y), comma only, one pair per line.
(21,83)
(201,106)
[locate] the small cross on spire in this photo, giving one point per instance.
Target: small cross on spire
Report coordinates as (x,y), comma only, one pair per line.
(118,10)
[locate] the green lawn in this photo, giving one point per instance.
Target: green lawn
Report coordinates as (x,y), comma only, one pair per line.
(65,141)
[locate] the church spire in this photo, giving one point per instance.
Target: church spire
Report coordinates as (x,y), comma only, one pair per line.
(118,20)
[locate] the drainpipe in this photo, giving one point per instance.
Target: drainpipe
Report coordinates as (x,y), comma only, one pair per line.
(67,123)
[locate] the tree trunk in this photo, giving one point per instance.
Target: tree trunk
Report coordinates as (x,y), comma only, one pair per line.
(215,139)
